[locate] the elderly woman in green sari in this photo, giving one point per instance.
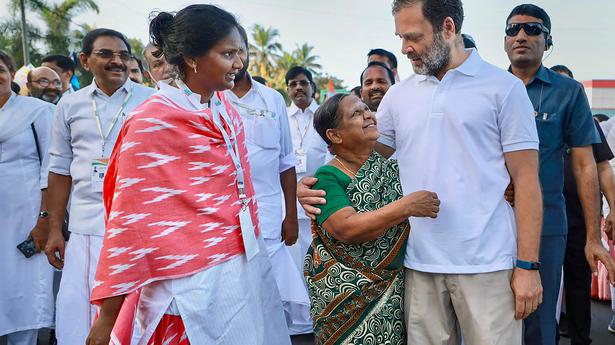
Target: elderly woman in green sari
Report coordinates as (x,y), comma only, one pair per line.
(354,268)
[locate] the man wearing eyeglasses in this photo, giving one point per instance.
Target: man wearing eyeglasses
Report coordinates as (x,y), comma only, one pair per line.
(44,83)
(86,125)
(563,118)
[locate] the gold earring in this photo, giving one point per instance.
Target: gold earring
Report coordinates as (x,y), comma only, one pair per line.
(195,71)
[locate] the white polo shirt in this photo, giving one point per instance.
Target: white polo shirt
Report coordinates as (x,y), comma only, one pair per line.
(450,137)
(76,141)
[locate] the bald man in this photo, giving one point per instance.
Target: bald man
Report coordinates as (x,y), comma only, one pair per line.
(157,68)
(44,83)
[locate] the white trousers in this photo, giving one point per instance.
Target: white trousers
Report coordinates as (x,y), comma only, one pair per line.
(74,313)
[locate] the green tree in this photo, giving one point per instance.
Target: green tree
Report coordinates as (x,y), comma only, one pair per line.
(58,20)
(137,47)
(264,50)
(304,58)
(10,41)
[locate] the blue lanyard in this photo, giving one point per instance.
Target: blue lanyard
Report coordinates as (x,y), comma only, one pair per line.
(219,114)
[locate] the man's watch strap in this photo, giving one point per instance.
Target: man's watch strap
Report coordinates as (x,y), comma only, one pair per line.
(528,265)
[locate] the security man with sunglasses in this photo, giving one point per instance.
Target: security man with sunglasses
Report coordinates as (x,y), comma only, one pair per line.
(563,118)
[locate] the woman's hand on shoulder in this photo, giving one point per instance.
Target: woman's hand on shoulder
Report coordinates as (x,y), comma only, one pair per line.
(421,204)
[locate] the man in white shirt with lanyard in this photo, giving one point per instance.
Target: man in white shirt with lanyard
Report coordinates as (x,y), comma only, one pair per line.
(310,150)
(272,162)
(86,126)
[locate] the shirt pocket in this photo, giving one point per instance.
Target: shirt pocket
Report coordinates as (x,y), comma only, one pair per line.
(264,131)
(549,126)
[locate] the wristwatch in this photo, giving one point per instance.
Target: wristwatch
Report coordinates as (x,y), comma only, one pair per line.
(43,214)
(528,265)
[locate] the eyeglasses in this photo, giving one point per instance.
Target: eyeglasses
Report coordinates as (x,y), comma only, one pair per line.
(110,54)
(294,83)
(44,82)
(530,29)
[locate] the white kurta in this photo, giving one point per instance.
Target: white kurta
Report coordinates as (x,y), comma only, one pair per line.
(236,302)
(306,139)
(26,299)
(270,152)
(75,143)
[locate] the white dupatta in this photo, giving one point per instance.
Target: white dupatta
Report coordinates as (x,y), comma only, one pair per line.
(14,120)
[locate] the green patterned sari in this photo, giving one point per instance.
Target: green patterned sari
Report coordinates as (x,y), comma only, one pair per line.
(356,291)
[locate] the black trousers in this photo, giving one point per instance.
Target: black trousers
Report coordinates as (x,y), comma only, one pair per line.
(577,285)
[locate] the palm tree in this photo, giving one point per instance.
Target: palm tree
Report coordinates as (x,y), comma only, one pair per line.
(264,50)
(10,41)
(58,19)
(303,57)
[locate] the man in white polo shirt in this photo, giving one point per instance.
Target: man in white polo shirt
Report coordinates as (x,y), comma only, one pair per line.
(85,128)
(463,128)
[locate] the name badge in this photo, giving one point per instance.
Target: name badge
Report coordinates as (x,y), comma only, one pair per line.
(247,232)
(301,167)
(97,173)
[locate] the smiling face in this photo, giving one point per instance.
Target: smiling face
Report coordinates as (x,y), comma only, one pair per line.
(6,76)
(108,62)
(217,68)
(524,50)
(357,125)
(375,84)
(45,84)
(427,50)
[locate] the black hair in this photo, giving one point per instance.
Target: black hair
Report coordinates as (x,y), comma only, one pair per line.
(468,41)
(15,87)
(562,68)
(435,11)
(244,36)
(356,91)
(260,80)
(65,63)
(533,11)
(6,59)
(189,33)
(139,63)
(294,71)
(601,117)
(327,116)
(387,54)
(90,38)
(379,64)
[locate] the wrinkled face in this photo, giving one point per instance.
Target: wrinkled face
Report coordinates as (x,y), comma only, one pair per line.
(357,125)
(217,68)
(45,84)
(522,49)
(108,61)
(300,91)
(64,76)
(134,72)
(426,49)
(159,69)
(5,79)
(375,84)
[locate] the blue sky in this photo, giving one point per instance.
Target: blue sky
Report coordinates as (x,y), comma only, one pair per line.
(342,31)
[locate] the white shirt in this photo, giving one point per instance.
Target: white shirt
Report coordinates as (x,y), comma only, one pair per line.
(76,141)
(270,150)
(307,140)
(450,137)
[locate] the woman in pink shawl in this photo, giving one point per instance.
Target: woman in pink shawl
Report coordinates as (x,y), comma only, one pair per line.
(181,256)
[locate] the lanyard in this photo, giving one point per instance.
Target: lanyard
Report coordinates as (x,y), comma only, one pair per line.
(301,135)
(104,136)
(219,114)
(254,111)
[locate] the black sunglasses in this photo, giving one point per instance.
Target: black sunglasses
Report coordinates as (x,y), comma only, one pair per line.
(530,29)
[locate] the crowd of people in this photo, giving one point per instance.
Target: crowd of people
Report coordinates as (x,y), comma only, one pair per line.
(451,206)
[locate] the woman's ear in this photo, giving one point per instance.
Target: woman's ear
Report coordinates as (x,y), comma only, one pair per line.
(334,136)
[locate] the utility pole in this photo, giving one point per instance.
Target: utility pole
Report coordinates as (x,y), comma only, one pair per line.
(24,35)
